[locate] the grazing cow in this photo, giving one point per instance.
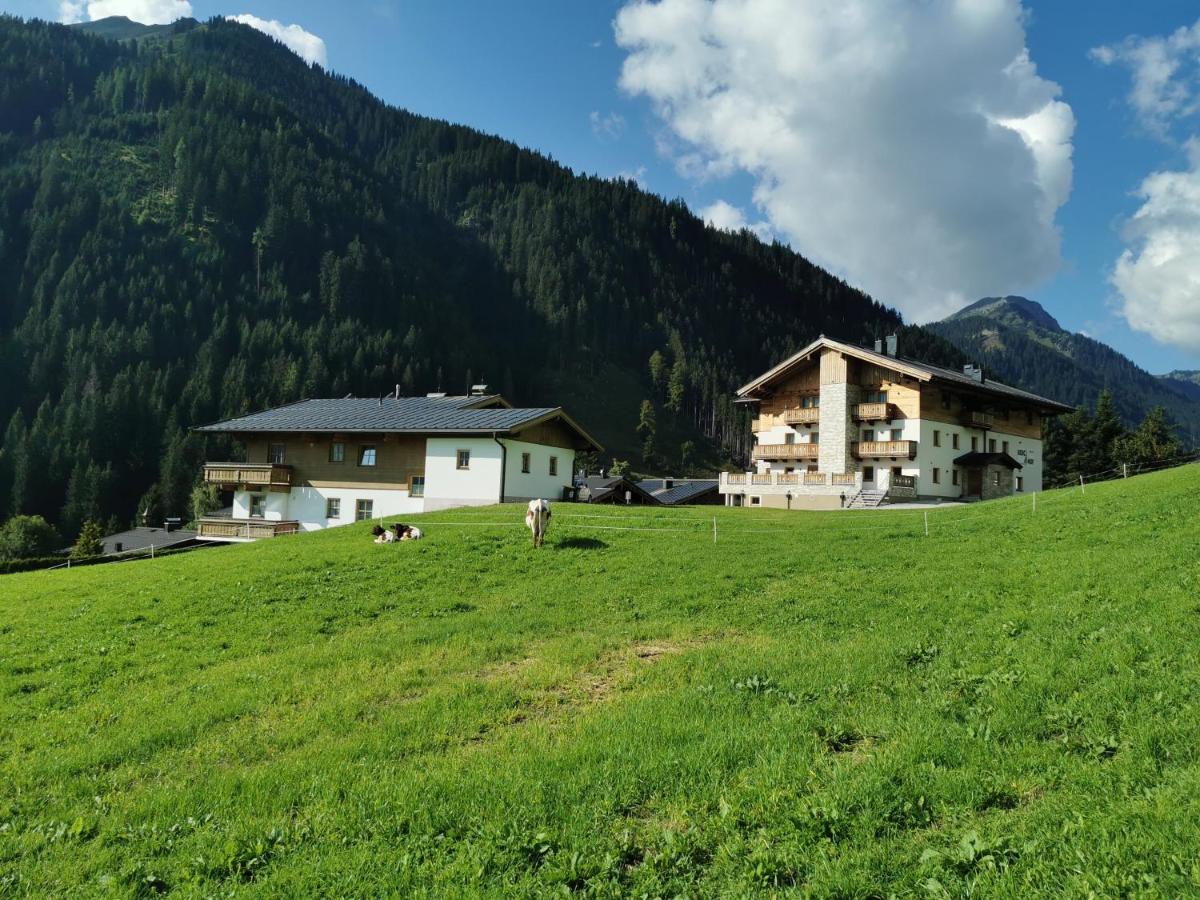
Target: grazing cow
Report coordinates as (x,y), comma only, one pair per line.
(537,519)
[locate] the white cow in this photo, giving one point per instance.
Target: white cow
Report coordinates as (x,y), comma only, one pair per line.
(537,520)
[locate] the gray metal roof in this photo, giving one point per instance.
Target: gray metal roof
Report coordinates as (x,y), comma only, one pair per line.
(416,415)
(681,491)
(142,538)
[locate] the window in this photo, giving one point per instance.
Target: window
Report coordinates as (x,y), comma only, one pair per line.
(875,397)
(366,455)
(416,486)
(868,434)
(810,468)
(333,508)
(337,452)
(790,437)
(868,473)
(897,434)
(524,463)
(756,501)
(554,465)
(954,477)
(275,454)
(937,474)
(896,470)
(258,506)
(954,441)
(974,444)
(1020,483)
(991,445)
(364,510)
(1005,447)
(996,478)
(464,459)
(814,437)
(937,439)
(946,400)
(810,402)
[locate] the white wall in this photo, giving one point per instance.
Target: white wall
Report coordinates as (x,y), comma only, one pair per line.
(307,505)
(447,486)
(275,507)
(538,482)
(1027,451)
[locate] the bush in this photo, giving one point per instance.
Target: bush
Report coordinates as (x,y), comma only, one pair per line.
(90,541)
(24,536)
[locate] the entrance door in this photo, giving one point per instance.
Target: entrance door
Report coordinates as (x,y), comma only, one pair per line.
(974,482)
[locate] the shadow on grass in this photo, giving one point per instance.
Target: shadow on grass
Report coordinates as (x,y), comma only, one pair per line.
(580,543)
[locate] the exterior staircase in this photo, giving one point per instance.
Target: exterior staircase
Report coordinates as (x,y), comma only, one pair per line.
(867,499)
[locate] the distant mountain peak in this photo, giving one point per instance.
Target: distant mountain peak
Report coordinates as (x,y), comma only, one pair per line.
(1011,310)
(123,28)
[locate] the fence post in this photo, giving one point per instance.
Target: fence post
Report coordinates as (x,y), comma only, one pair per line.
(152,551)
(1082,489)
(1125,470)
(1035,501)
(714,529)
(926,523)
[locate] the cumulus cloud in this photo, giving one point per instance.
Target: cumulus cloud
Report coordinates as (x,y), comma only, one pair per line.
(1165,72)
(304,44)
(609,127)
(1157,276)
(910,147)
(727,217)
(148,12)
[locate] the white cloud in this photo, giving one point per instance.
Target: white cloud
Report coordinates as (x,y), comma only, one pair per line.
(1158,275)
(910,147)
(304,44)
(148,12)
(1165,73)
(70,11)
(609,127)
(727,217)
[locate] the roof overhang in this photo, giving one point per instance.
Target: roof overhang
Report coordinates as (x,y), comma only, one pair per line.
(981,458)
(587,443)
(823,343)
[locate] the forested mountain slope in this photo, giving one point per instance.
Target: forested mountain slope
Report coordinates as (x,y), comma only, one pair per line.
(198,224)
(1018,341)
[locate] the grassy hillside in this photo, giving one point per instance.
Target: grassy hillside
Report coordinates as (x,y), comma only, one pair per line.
(830,703)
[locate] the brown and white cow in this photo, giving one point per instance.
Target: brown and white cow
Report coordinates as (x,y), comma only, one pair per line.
(537,520)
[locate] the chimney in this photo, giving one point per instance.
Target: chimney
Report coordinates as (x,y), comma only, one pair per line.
(878,345)
(479,390)
(974,372)
(668,483)
(397,395)
(890,344)
(436,395)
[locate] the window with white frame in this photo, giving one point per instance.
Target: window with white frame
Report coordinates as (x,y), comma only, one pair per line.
(463,459)
(366,455)
(333,508)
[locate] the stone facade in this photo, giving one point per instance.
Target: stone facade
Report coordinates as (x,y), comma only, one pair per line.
(838,431)
(992,490)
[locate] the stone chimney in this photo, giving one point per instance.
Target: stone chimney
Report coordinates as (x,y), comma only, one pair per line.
(973,372)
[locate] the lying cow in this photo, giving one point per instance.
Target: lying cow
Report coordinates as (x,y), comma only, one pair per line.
(537,519)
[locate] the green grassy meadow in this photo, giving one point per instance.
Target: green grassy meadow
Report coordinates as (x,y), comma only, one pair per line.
(827,704)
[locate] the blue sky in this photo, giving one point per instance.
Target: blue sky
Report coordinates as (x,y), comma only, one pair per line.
(548,74)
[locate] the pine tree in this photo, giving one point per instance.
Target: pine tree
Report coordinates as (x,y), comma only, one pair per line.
(90,541)
(1154,440)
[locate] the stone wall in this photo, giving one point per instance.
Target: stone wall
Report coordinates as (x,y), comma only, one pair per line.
(993,491)
(838,430)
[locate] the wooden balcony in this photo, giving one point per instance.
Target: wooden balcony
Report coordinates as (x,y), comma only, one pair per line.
(734,477)
(842,478)
(874,412)
(222,529)
(786,451)
(235,474)
(811,478)
(979,419)
(890,449)
(804,415)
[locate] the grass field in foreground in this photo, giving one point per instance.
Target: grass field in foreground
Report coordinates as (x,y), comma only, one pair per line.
(825,703)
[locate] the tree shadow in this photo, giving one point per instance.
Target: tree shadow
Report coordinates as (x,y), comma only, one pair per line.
(580,543)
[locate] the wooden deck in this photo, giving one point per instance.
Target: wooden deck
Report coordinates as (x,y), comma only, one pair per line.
(221,529)
(890,449)
(236,474)
(787,451)
(874,412)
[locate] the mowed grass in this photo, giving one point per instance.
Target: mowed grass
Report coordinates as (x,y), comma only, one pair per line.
(830,704)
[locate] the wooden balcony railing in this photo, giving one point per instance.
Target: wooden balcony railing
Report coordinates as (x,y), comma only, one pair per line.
(734,477)
(786,451)
(760,478)
(788,478)
(804,415)
(978,419)
(873,412)
(842,478)
(814,477)
(248,474)
(217,528)
(891,449)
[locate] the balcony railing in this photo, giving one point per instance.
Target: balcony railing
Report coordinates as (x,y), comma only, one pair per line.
(977,419)
(908,482)
(804,415)
(734,477)
(814,478)
(787,478)
(221,529)
(786,451)
(891,449)
(760,478)
(842,478)
(873,412)
(248,474)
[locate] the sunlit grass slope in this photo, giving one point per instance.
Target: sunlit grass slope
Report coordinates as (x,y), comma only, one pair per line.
(819,703)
